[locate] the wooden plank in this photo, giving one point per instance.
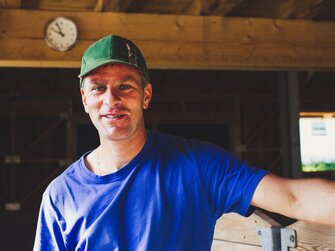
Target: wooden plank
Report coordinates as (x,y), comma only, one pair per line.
(238,229)
(193,42)
(10,4)
(99,5)
(306,81)
(116,5)
(288,85)
(313,9)
(257,8)
(237,132)
(292,8)
(318,114)
(218,245)
(161,6)
(313,236)
(195,8)
(61,5)
(306,9)
(214,7)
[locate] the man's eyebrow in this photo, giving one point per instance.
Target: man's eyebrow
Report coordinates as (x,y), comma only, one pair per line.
(96,80)
(100,80)
(129,78)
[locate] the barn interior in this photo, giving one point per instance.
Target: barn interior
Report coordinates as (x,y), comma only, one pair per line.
(237,73)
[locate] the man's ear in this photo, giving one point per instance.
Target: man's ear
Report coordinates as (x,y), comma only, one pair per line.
(83,98)
(147,96)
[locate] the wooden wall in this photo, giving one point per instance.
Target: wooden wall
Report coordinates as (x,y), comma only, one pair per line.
(41,117)
(40,112)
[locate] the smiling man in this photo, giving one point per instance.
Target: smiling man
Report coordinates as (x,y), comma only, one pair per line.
(114,97)
(145,190)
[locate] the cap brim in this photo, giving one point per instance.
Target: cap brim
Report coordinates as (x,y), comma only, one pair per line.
(100,63)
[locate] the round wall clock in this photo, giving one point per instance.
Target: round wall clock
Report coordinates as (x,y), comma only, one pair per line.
(61,33)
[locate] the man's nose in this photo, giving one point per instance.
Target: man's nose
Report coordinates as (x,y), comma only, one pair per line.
(111,97)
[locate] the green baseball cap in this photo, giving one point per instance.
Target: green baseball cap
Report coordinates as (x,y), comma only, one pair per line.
(112,49)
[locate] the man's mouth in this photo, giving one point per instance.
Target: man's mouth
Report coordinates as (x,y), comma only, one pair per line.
(118,116)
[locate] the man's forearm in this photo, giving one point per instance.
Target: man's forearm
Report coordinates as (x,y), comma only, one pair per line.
(304,199)
(315,200)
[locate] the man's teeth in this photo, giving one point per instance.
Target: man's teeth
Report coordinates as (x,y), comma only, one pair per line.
(113,117)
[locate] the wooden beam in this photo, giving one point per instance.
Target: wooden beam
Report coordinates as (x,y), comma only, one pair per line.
(15,4)
(288,83)
(219,245)
(161,6)
(195,8)
(193,42)
(306,81)
(99,5)
(257,8)
(313,236)
(318,114)
(237,132)
(315,9)
(307,9)
(237,229)
(219,7)
(116,5)
(61,5)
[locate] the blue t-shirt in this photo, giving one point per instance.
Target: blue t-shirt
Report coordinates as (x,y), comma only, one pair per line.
(167,198)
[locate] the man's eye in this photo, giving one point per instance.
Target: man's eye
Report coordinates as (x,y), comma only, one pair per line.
(99,88)
(124,87)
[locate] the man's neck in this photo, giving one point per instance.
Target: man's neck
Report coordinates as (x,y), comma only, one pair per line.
(115,155)
(111,156)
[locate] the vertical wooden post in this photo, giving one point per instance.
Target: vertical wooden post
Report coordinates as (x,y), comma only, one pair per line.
(12,154)
(70,134)
(289,120)
(237,141)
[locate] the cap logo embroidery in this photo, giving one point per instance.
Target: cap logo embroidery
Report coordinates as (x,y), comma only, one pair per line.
(132,55)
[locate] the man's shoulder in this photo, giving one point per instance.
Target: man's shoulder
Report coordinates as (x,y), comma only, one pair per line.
(174,141)
(176,147)
(60,182)
(166,139)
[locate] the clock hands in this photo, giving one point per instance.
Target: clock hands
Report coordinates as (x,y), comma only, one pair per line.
(59,31)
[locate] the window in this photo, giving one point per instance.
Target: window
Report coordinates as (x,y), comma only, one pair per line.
(317,142)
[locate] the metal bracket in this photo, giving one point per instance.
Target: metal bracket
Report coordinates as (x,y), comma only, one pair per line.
(277,239)
(12,159)
(12,206)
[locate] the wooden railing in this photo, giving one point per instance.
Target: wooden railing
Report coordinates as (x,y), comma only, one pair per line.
(236,233)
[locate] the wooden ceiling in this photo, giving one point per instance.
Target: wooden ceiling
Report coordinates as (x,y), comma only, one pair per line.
(179,34)
(287,9)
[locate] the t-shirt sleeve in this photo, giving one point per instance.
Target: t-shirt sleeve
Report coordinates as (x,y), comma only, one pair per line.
(230,183)
(48,232)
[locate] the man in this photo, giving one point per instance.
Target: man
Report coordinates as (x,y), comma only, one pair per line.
(144,190)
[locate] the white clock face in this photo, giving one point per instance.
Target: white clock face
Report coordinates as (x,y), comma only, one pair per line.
(61,33)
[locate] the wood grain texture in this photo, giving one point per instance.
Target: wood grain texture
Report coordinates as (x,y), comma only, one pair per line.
(237,229)
(10,4)
(313,236)
(218,245)
(192,42)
